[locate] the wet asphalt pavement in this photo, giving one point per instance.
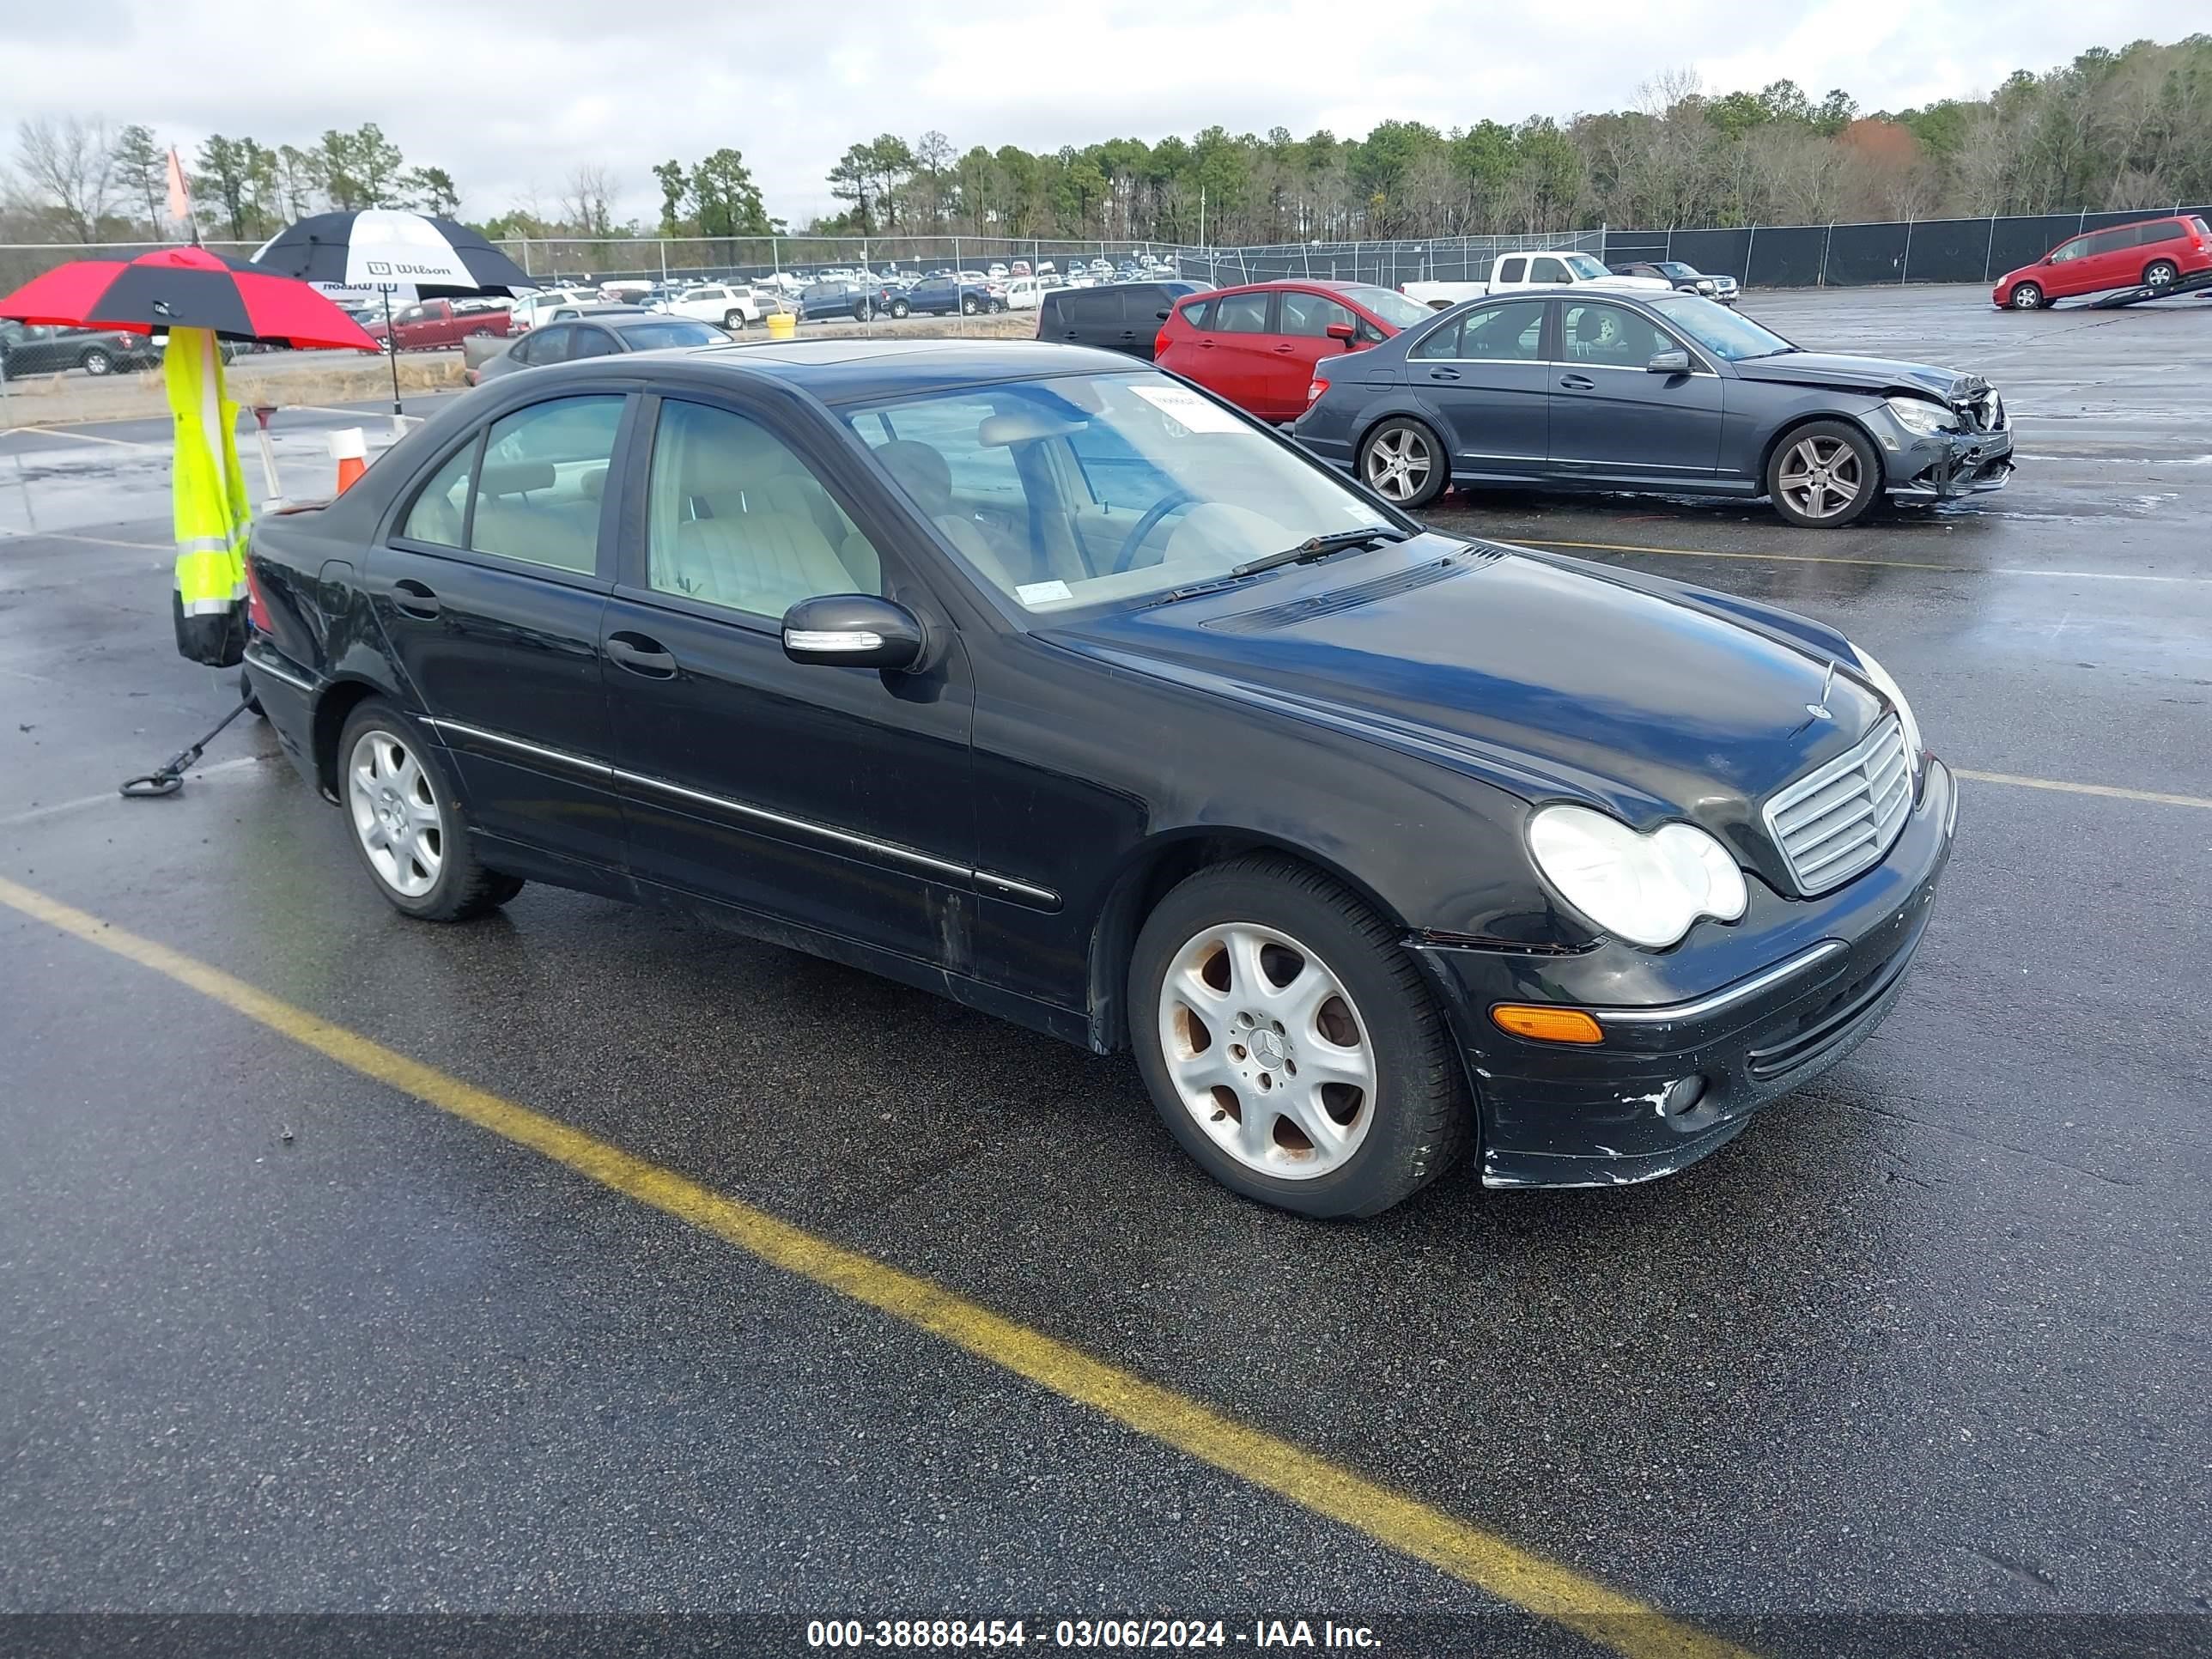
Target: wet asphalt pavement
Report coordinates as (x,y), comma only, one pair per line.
(1930,1337)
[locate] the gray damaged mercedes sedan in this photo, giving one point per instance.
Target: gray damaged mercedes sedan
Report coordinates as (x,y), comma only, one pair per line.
(1670,393)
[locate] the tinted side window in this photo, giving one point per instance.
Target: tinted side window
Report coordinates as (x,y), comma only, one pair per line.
(1512,271)
(552,345)
(441,511)
(1199,314)
(2112,242)
(1505,334)
(544,470)
(1443,344)
(734,517)
(1150,306)
(594,342)
(1095,310)
(1612,336)
(1312,313)
(2169,230)
(1241,314)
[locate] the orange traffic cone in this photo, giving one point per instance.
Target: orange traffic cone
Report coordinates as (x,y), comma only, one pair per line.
(351,449)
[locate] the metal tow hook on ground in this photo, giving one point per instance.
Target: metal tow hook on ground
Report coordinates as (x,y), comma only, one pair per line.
(167,780)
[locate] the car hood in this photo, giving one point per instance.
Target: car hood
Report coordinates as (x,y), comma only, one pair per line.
(1862,373)
(1544,676)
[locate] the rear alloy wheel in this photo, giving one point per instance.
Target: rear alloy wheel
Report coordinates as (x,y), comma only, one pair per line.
(1289,1044)
(968,306)
(2161,273)
(2025,296)
(1403,462)
(407,823)
(1823,476)
(96,361)
(733,320)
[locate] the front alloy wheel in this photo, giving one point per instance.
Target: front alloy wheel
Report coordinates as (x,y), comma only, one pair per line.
(396,813)
(1823,476)
(1267,1053)
(2025,296)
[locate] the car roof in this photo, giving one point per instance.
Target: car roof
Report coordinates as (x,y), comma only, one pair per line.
(838,371)
(1331,284)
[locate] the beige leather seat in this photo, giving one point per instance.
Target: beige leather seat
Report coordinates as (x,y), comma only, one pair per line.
(925,475)
(764,562)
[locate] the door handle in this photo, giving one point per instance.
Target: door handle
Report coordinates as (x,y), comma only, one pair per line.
(1577,383)
(641,655)
(1205,345)
(1444,374)
(414,600)
(1285,351)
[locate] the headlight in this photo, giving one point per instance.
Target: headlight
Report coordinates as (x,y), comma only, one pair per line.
(1889,689)
(1644,888)
(1705,288)
(1918,415)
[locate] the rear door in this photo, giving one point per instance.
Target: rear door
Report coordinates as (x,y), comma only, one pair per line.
(488,585)
(1610,417)
(1243,333)
(835,798)
(1486,374)
(2112,261)
(1091,317)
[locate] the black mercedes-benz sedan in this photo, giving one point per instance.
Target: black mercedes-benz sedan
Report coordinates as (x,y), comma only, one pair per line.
(1038,679)
(1567,389)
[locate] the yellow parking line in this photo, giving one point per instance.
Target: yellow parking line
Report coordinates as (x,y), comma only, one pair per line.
(1883,564)
(1482,1559)
(2111,790)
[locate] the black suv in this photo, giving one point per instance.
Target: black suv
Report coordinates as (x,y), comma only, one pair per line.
(1120,316)
(39,349)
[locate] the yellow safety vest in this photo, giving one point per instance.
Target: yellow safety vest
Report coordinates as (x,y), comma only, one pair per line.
(208,489)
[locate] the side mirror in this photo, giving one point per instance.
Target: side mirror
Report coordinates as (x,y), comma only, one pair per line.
(1344,332)
(853,630)
(1670,362)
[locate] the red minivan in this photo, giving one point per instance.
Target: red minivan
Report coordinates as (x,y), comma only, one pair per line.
(1257,345)
(2151,254)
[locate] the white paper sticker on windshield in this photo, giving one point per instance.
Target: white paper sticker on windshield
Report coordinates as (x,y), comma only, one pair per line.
(1187,409)
(1043,592)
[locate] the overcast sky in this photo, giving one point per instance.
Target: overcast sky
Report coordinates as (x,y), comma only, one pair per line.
(509,97)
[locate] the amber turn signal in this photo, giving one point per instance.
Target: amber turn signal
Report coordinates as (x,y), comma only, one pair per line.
(1546,1025)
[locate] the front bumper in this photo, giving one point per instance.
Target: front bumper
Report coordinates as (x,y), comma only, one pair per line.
(1945,465)
(1814,978)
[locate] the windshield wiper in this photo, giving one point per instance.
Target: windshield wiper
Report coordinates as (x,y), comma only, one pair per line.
(1319,547)
(1314,547)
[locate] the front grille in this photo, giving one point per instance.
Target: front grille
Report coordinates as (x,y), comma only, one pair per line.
(1840,820)
(1984,410)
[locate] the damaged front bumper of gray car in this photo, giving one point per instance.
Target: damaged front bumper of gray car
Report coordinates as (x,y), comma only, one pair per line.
(1971,457)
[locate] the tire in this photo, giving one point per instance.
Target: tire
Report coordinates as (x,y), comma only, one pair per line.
(96,361)
(1404,461)
(862,311)
(389,775)
(899,309)
(2161,273)
(1829,457)
(733,320)
(2025,296)
(1368,1017)
(968,306)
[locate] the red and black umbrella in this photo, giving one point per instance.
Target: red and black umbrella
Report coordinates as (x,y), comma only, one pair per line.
(185,288)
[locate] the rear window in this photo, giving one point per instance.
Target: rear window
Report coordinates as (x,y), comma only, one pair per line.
(657,336)
(2203,229)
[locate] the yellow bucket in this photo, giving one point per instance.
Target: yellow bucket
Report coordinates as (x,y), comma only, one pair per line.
(782,325)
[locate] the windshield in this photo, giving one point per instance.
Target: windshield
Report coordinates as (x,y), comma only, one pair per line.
(1087,489)
(1720,331)
(1584,266)
(656,336)
(1393,309)
(1675,268)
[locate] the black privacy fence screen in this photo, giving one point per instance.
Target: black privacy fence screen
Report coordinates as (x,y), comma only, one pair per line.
(1759,256)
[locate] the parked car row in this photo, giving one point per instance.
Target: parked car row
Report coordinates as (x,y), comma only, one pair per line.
(42,348)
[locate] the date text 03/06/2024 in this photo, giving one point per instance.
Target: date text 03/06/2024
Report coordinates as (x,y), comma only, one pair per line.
(928,1634)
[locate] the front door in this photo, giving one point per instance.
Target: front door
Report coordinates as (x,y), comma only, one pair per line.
(1485,374)
(1302,320)
(489,588)
(835,798)
(1610,415)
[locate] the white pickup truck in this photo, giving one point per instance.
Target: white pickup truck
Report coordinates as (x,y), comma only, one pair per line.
(1533,268)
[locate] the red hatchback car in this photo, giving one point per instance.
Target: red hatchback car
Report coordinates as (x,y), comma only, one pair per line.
(1257,345)
(2152,253)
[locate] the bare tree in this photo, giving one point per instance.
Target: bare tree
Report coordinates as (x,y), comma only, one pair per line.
(69,162)
(587,200)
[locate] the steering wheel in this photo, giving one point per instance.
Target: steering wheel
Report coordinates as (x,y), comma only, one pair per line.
(1173,502)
